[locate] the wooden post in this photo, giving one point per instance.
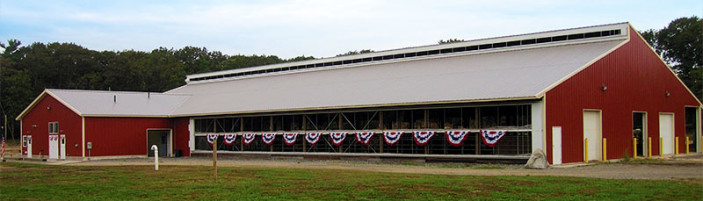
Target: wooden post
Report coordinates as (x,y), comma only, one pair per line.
(380,127)
(241,129)
(687,146)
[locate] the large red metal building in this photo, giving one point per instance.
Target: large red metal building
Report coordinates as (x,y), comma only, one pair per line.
(590,93)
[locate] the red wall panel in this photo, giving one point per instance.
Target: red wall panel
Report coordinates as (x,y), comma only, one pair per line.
(181,135)
(41,115)
(636,80)
(121,135)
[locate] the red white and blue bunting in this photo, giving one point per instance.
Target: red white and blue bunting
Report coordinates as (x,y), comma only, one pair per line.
(364,137)
(268,138)
(312,138)
(248,138)
(491,137)
(229,138)
(392,137)
(338,138)
(289,138)
(211,138)
(456,138)
(422,137)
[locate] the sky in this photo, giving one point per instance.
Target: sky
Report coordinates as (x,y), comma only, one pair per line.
(290,28)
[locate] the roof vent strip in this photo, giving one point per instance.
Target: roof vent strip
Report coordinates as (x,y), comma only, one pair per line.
(577,36)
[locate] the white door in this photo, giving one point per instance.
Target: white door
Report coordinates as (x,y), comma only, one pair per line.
(62,147)
(29,146)
(666,133)
(556,145)
(592,132)
(53,146)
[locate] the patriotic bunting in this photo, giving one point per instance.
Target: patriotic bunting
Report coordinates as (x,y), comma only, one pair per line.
(338,138)
(229,138)
(491,137)
(422,137)
(312,138)
(289,138)
(211,138)
(392,137)
(268,138)
(364,137)
(248,138)
(456,138)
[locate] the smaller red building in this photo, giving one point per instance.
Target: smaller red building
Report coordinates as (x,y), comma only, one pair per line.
(78,123)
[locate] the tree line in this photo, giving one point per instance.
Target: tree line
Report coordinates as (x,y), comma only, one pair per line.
(27,70)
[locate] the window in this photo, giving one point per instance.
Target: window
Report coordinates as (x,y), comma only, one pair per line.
(53,127)
(24,141)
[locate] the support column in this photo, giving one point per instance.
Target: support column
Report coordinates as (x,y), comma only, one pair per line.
(304,130)
(380,127)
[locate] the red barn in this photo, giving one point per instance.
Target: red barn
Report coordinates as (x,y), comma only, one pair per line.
(590,93)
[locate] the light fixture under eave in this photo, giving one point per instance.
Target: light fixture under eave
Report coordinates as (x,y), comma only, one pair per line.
(668,94)
(603,87)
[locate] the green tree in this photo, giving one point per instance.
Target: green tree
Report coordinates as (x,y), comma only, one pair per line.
(680,44)
(356,52)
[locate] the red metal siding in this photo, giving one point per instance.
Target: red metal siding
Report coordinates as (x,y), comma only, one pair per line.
(112,136)
(69,124)
(181,135)
(636,80)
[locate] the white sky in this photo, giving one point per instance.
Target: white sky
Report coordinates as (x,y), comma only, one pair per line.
(312,28)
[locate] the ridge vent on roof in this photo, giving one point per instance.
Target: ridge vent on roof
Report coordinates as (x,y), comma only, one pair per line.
(438,51)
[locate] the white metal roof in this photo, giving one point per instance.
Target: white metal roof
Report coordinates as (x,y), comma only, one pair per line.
(116,103)
(488,75)
(505,73)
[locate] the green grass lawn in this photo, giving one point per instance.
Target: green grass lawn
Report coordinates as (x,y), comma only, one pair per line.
(20,181)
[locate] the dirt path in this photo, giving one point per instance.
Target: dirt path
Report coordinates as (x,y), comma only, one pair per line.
(690,167)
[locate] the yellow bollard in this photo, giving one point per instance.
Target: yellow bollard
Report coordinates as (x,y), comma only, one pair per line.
(649,146)
(661,146)
(687,141)
(605,156)
(676,146)
(585,150)
(634,147)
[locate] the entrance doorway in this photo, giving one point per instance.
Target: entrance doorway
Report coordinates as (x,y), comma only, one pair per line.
(666,133)
(692,128)
(162,140)
(592,132)
(639,132)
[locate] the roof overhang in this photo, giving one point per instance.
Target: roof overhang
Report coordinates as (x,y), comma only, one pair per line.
(528,98)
